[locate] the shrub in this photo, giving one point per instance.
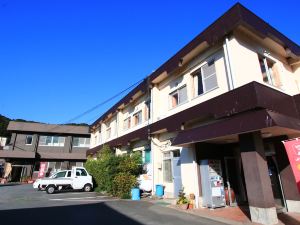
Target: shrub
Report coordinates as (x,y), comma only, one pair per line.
(122,184)
(181,198)
(115,174)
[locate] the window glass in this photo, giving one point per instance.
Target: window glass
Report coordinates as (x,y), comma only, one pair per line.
(55,141)
(182,94)
(108,133)
(61,141)
(147,156)
(51,141)
(269,72)
(126,124)
(176,153)
(42,140)
(69,174)
(28,140)
(178,97)
(48,140)
(137,118)
(206,78)
(167,170)
(81,142)
(76,141)
(61,174)
(81,172)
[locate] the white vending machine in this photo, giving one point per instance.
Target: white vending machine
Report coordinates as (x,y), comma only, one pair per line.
(212,183)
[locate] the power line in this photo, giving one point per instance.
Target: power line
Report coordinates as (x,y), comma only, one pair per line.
(91,109)
(104,102)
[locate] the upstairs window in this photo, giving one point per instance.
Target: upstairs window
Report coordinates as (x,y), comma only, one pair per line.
(81,142)
(95,140)
(205,78)
(179,96)
(28,140)
(269,71)
(137,118)
(52,141)
(108,133)
(127,123)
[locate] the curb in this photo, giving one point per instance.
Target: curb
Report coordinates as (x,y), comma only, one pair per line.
(217,219)
(10,184)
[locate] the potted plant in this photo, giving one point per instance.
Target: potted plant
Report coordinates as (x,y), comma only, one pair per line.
(182,201)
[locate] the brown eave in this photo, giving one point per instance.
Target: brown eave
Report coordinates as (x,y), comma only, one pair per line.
(241,123)
(17,154)
(62,156)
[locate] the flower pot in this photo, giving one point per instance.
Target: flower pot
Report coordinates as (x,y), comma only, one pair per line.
(184,206)
(190,206)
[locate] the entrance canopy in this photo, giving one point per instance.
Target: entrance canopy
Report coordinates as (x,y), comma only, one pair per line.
(241,123)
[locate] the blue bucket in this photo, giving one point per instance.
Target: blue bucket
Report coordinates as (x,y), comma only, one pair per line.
(159,190)
(135,194)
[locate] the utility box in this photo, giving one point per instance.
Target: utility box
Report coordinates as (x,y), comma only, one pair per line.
(212,183)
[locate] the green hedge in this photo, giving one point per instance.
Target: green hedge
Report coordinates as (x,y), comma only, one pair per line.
(113,174)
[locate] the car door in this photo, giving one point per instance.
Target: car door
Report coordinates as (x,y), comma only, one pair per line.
(80,178)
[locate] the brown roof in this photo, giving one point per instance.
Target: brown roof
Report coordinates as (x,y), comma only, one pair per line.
(47,128)
(237,16)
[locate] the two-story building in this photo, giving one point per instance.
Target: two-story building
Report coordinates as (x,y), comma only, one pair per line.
(52,147)
(229,97)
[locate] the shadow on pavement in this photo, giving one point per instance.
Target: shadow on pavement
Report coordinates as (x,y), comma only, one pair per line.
(90,214)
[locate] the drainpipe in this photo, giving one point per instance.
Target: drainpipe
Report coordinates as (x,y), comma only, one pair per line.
(228,65)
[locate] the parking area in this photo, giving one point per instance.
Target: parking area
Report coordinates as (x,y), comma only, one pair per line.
(21,204)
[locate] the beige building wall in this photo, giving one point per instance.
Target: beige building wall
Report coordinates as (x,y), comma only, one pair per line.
(244,58)
(161,92)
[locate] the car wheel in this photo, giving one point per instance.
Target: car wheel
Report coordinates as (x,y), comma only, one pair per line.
(50,189)
(87,188)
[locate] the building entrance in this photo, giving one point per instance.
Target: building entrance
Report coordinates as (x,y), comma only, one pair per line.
(276,183)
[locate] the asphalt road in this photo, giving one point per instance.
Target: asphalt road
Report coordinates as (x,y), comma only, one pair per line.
(22,205)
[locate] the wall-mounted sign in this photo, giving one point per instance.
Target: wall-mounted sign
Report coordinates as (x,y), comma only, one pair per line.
(292,148)
(42,171)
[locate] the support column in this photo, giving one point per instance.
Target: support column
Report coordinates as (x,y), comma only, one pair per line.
(258,184)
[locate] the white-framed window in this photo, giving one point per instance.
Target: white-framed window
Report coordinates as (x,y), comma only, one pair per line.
(52,141)
(178,97)
(100,138)
(205,78)
(108,133)
(137,118)
(167,167)
(269,71)
(95,140)
(28,140)
(81,142)
(127,123)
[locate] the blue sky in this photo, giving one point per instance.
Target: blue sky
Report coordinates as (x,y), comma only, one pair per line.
(60,58)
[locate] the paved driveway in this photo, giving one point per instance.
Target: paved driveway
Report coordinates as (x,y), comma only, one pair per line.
(23,205)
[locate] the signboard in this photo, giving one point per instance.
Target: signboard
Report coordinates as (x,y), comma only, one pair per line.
(42,171)
(292,148)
